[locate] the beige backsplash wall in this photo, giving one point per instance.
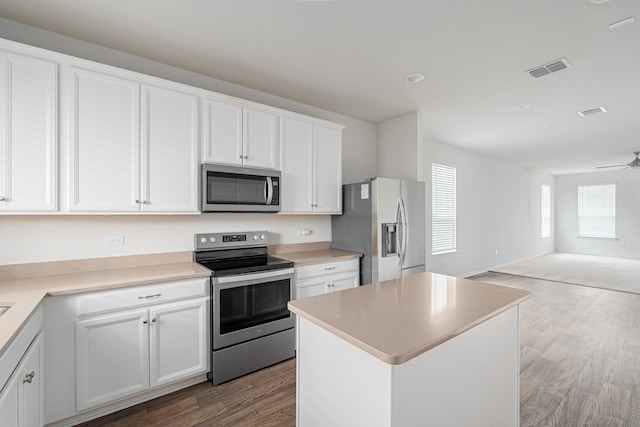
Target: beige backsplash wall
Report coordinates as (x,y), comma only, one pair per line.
(25,239)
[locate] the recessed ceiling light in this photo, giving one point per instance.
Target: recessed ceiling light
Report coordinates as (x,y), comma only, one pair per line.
(414,78)
(623,23)
(521,107)
(600,1)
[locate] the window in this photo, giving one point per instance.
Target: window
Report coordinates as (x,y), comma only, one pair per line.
(546,211)
(597,210)
(443,209)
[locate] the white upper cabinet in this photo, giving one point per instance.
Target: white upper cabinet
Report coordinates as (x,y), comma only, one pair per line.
(133,146)
(169,151)
(311,161)
(328,169)
(260,143)
(239,135)
(28,133)
(104,143)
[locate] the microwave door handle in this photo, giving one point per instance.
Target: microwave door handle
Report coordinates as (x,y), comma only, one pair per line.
(269,190)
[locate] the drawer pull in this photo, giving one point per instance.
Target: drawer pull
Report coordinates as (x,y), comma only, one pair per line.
(329,268)
(150,296)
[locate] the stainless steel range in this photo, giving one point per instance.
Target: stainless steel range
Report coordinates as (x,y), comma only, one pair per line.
(251,327)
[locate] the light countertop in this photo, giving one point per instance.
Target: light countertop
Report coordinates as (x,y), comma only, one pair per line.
(311,253)
(23,287)
(400,319)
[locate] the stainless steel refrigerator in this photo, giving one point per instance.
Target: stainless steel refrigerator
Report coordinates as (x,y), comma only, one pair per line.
(383,218)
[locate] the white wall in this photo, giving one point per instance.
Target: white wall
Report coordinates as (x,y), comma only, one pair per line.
(400,147)
(498,208)
(48,238)
(627,244)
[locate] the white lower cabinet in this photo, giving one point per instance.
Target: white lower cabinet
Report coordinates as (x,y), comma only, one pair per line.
(318,279)
(112,357)
(108,350)
(21,399)
(121,354)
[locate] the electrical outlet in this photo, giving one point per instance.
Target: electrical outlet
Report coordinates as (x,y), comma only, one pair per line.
(305,232)
(114,241)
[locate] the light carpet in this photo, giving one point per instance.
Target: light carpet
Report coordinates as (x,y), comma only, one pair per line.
(619,274)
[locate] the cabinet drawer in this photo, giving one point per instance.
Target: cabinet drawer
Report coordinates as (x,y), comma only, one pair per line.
(327,268)
(137,296)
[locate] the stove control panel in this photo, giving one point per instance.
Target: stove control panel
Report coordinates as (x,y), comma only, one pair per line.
(205,241)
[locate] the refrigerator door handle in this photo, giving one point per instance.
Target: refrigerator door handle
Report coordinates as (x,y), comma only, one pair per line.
(400,231)
(405,231)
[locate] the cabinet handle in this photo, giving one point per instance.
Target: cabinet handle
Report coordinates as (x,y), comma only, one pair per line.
(144,202)
(241,157)
(3,199)
(154,320)
(29,377)
(145,321)
(150,296)
(246,157)
(330,268)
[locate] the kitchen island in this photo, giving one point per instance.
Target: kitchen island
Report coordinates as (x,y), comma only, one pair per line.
(425,350)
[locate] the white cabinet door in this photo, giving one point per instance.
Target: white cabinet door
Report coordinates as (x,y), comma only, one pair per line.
(31,386)
(345,281)
(105,143)
(28,134)
(169,181)
(222,142)
(312,287)
(328,170)
(21,402)
(178,341)
(296,151)
(9,403)
(112,357)
(311,161)
(240,136)
(260,139)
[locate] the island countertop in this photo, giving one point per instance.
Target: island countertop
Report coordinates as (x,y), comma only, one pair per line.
(399,319)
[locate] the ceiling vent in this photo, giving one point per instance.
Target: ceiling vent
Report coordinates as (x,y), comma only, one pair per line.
(549,68)
(592,111)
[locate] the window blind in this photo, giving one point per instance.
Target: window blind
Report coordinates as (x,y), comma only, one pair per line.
(546,211)
(597,210)
(443,209)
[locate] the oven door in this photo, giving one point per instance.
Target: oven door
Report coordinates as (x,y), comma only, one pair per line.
(249,306)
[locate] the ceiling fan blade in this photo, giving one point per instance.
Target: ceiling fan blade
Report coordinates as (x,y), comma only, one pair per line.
(613,166)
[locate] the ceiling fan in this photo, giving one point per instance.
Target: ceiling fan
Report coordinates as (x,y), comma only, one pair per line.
(633,164)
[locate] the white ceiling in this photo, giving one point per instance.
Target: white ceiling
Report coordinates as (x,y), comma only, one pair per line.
(350,57)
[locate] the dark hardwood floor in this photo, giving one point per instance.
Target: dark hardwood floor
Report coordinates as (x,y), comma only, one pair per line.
(580,366)
(265,398)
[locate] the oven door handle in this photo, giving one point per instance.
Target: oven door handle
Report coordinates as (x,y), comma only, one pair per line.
(253,276)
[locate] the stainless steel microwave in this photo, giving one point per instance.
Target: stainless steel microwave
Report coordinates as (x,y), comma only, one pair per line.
(239,189)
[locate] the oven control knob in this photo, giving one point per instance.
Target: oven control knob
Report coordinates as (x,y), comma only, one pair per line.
(203,240)
(262,237)
(212,240)
(255,237)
